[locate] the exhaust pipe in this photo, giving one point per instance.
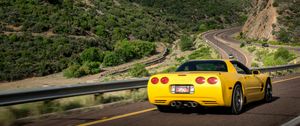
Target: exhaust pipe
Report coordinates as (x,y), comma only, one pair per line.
(173,104)
(178,105)
(194,104)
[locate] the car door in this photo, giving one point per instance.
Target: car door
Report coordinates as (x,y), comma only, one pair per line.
(251,83)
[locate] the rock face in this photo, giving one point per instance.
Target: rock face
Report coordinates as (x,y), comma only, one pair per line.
(262,21)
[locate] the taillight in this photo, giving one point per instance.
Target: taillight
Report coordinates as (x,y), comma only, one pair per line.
(200,80)
(154,80)
(212,80)
(164,80)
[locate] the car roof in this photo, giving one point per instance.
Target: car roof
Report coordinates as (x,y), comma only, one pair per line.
(209,60)
(214,60)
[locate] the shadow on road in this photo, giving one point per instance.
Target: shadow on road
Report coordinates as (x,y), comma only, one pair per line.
(219,110)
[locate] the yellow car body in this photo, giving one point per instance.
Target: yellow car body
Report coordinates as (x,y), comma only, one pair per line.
(205,94)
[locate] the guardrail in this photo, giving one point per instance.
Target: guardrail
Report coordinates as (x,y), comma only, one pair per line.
(50,93)
(277,68)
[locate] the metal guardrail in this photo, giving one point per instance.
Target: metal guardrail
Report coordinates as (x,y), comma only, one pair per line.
(277,68)
(50,93)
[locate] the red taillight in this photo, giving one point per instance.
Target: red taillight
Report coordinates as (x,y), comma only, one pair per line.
(154,80)
(200,80)
(164,80)
(212,80)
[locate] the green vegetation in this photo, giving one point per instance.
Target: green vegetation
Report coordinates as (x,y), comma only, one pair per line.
(75,70)
(26,55)
(242,45)
(202,53)
(289,18)
(186,43)
(280,57)
(251,48)
(92,55)
(199,15)
(124,51)
(129,50)
(170,69)
(254,64)
(249,41)
(138,70)
(69,27)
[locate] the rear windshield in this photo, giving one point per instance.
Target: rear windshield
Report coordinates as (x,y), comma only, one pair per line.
(203,66)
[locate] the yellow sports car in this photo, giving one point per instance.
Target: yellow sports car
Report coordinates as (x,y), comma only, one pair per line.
(209,83)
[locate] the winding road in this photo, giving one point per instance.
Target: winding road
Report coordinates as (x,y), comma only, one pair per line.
(222,44)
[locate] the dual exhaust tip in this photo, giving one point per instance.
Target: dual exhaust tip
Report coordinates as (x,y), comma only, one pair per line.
(179,104)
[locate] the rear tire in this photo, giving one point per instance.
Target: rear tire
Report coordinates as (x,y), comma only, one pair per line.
(237,100)
(164,108)
(268,92)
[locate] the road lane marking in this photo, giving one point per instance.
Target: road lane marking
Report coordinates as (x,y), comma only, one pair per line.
(286,79)
(293,122)
(117,117)
(148,110)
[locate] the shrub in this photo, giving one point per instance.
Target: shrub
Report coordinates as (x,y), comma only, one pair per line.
(92,54)
(75,70)
(134,49)
(284,35)
(242,45)
(251,49)
(275,4)
(72,71)
(170,69)
(254,64)
(186,43)
(71,105)
(138,70)
(112,59)
(284,54)
(203,27)
(202,53)
(93,67)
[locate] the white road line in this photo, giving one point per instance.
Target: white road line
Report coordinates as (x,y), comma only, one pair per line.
(293,122)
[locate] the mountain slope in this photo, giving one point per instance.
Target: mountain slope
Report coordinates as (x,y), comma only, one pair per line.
(40,37)
(274,20)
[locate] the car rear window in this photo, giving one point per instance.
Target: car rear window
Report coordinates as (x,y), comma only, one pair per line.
(203,66)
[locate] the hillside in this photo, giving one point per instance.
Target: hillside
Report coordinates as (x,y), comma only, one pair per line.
(276,20)
(41,37)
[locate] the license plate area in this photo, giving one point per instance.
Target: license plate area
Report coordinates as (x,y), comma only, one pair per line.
(182,89)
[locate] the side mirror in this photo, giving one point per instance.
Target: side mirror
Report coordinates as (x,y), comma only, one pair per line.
(255,72)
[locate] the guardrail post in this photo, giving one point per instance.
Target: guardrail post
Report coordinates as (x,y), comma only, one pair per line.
(98,97)
(134,90)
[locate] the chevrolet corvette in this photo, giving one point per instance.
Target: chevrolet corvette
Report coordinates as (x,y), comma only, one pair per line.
(209,83)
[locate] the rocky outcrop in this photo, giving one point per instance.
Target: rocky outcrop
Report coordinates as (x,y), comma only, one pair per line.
(262,21)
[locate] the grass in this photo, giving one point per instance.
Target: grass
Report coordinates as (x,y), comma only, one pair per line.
(9,114)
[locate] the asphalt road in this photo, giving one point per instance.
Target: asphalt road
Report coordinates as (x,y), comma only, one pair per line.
(223,40)
(284,107)
(215,38)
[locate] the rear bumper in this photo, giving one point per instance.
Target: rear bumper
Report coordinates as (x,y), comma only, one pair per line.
(203,101)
